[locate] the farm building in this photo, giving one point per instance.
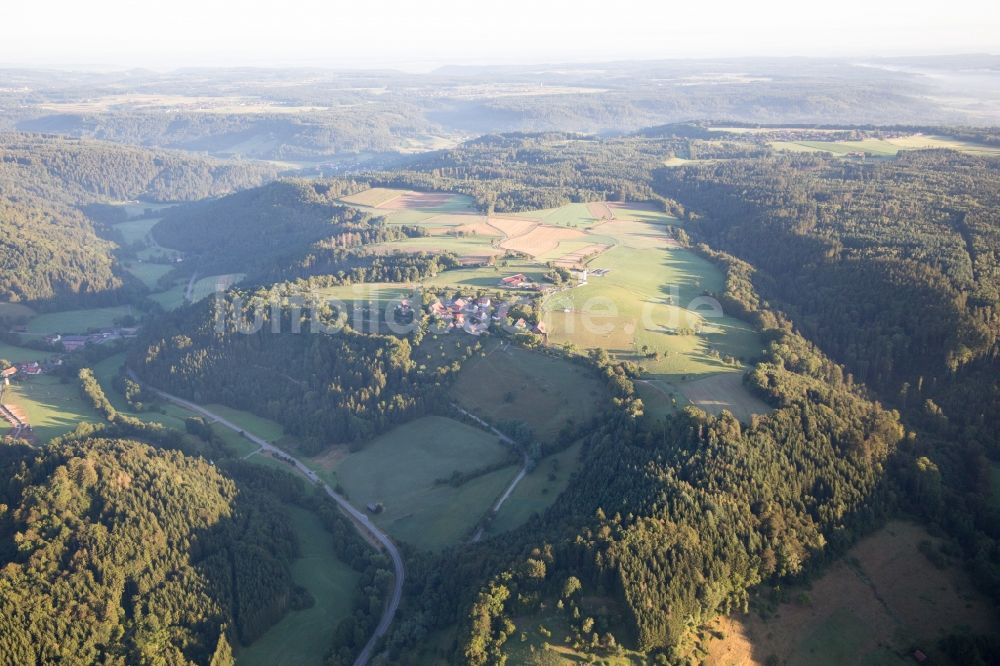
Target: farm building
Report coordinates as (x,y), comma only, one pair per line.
(31,369)
(74,342)
(515,281)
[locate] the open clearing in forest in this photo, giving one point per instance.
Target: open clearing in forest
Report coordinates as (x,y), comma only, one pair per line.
(399,469)
(509,383)
(389,200)
(304,636)
(872,606)
(51,407)
(207,286)
(723,392)
(148,273)
(136,231)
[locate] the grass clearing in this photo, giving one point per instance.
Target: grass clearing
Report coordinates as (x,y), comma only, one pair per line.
(172,298)
(148,273)
(164,413)
(510,383)
(872,606)
(723,392)
(267,429)
(399,468)
(303,637)
(20,354)
(136,231)
(537,490)
(51,407)
(211,284)
(77,321)
(889,147)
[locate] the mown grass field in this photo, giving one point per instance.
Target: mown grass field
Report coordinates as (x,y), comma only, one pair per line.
(76,321)
(258,425)
(148,273)
(303,637)
(172,298)
(18,354)
(647,299)
(207,286)
(510,383)
(52,408)
(106,372)
(537,490)
(399,468)
(135,231)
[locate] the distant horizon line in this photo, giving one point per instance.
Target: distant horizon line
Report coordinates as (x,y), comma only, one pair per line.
(429,66)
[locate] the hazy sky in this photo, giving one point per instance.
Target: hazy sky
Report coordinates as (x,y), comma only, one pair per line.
(420,34)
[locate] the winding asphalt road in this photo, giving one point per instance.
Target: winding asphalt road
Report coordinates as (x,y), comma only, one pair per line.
(361,521)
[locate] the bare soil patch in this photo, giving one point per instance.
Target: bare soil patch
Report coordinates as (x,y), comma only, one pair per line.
(600,210)
(540,240)
(512,227)
(417,200)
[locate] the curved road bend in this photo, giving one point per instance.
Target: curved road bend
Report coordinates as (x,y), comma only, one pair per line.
(361,521)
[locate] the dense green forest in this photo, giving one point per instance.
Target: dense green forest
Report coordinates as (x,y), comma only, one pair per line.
(51,251)
(116,552)
(76,171)
(892,268)
(324,388)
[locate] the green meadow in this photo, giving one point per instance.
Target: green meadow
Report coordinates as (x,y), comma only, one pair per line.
(77,321)
(399,470)
(51,407)
(303,637)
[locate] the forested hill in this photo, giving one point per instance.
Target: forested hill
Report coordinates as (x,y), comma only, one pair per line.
(51,251)
(48,249)
(112,551)
(286,229)
(75,171)
(891,267)
(323,388)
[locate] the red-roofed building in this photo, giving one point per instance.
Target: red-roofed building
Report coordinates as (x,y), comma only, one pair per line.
(31,368)
(514,281)
(9,372)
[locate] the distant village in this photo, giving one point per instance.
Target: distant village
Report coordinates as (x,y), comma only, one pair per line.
(67,343)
